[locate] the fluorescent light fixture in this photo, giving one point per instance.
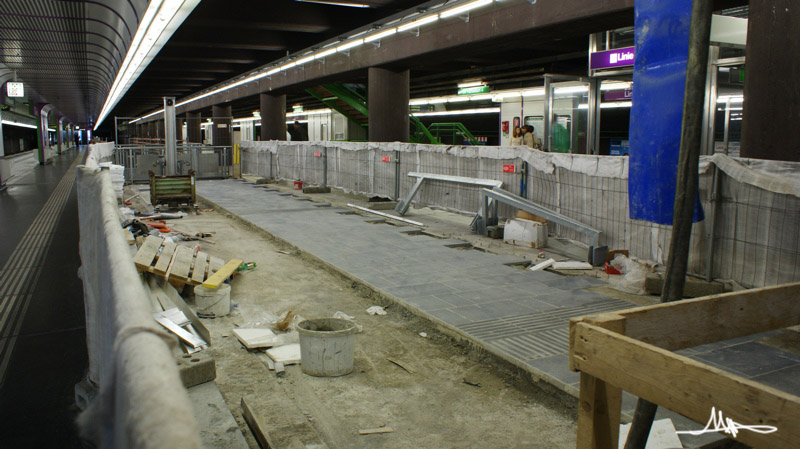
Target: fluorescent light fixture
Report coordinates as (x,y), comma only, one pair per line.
(302,61)
(273,71)
(333,3)
(467,84)
(418,101)
(571,90)
(350,44)
(616,104)
(287,66)
(732,98)
(458,99)
(615,85)
(21,125)
(533,93)
(459,112)
(464,8)
(481,97)
(159,21)
(325,53)
(380,35)
(504,95)
(309,112)
(419,22)
(439,100)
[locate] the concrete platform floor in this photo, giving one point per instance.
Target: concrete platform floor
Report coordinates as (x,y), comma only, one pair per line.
(519,316)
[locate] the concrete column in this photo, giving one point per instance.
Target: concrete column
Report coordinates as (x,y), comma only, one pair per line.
(222,136)
(60,132)
(2,145)
(387,97)
(771,91)
(41,134)
(194,133)
(273,117)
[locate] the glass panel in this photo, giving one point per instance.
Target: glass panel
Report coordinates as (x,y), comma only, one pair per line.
(570,110)
(728,113)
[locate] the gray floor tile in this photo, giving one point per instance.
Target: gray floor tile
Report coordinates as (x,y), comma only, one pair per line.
(449,317)
(752,358)
(785,379)
(556,366)
(429,302)
(408,291)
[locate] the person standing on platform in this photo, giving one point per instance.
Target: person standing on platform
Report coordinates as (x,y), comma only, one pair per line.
(516,137)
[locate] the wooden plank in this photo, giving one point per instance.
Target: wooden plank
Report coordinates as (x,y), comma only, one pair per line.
(599,402)
(129,237)
(215,264)
(686,386)
(257,425)
(199,268)
(693,322)
(167,252)
(144,257)
(375,431)
(225,272)
(182,264)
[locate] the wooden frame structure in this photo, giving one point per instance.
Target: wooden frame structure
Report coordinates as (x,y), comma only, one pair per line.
(631,350)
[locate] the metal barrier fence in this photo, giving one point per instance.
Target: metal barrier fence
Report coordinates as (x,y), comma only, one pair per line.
(209,162)
(756,236)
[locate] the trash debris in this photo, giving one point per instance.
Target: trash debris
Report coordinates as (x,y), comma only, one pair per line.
(542,265)
(284,252)
(471,383)
(407,369)
(572,265)
(633,273)
(247,266)
(423,334)
(256,338)
(375,431)
(205,210)
(284,323)
(541,255)
(376,310)
(352,319)
(286,354)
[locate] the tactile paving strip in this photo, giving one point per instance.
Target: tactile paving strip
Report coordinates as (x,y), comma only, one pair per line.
(532,322)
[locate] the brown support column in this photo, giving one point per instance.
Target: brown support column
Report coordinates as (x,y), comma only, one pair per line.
(221,135)
(387,98)
(194,132)
(771,91)
(273,117)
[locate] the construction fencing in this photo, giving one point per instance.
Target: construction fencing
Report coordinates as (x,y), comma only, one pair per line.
(756,240)
(141,401)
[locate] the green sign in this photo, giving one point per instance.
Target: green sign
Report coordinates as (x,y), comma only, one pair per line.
(473,90)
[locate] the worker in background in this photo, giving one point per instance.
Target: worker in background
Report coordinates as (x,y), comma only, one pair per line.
(297,132)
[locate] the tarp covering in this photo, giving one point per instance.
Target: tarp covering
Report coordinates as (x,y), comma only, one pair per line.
(661,31)
(142,403)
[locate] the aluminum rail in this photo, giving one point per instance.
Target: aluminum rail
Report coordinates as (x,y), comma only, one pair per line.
(499,195)
(402,206)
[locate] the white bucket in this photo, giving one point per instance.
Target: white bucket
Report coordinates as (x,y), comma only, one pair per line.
(213,301)
(327,346)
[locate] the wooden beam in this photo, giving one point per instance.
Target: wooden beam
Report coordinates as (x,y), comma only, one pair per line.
(215,280)
(600,402)
(686,386)
(257,425)
(144,257)
(164,258)
(695,322)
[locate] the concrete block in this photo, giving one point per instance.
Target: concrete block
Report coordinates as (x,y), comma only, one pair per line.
(265,181)
(196,368)
(316,190)
(694,287)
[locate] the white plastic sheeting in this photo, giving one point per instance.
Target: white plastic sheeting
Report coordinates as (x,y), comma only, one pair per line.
(757,236)
(101,152)
(142,403)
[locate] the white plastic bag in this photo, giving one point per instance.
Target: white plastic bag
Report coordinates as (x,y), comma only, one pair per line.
(633,275)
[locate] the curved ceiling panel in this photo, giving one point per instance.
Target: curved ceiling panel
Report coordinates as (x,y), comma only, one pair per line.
(67,52)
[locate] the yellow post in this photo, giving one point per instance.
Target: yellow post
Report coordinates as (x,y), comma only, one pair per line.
(237,162)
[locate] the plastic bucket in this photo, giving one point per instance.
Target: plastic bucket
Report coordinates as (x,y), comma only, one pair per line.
(298,185)
(327,346)
(213,301)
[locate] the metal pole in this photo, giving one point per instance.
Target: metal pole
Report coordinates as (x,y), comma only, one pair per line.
(116,130)
(593,117)
(716,180)
(686,189)
(171,150)
(397,175)
(548,112)
(324,167)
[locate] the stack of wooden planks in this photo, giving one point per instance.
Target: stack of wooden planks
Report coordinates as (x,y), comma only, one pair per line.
(179,264)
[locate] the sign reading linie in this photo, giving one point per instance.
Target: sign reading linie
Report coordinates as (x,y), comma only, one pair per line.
(15,89)
(609,59)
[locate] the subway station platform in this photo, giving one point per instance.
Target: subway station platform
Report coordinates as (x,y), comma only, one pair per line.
(43,340)
(518,315)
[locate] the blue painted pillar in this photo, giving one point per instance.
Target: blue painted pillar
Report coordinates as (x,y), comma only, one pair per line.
(659,77)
